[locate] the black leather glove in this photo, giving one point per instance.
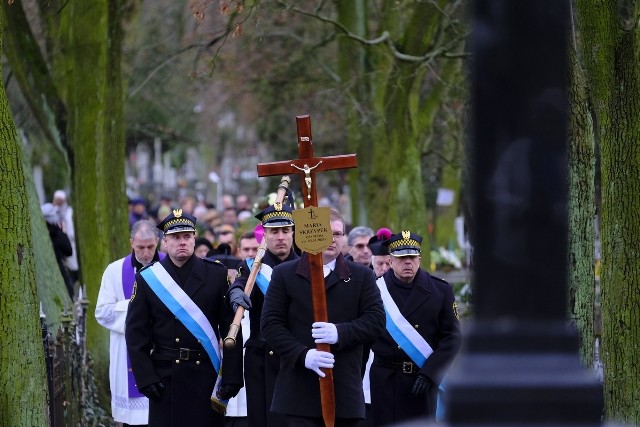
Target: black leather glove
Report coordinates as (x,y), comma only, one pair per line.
(227,391)
(237,298)
(421,385)
(153,391)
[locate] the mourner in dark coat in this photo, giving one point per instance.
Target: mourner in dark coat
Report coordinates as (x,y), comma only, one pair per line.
(61,244)
(172,366)
(355,317)
(403,384)
(261,362)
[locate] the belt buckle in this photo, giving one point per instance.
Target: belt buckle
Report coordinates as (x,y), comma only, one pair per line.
(407,367)
(183,354)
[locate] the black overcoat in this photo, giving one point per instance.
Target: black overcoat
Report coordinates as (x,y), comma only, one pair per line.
(430,309)
(189,383)
(353,304)
(261,362)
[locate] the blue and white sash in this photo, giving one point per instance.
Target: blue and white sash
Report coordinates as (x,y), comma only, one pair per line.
(416,347)
(264,276)
(187,312)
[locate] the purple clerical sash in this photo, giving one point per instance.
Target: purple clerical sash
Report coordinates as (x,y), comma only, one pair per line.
(128,278)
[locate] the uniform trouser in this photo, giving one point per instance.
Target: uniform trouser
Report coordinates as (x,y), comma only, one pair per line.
(392,400)
(236,422)
(295,421)
(260,373)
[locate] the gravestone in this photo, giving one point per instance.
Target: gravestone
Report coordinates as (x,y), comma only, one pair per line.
(519,364)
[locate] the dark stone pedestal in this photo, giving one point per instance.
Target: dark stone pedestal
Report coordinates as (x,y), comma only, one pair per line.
(501,382)
(519,365)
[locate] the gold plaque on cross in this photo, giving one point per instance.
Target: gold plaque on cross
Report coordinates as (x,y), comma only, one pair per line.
(313,229)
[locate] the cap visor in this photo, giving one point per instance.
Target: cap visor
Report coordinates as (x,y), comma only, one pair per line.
(405,252)
(180,230)
(281,223)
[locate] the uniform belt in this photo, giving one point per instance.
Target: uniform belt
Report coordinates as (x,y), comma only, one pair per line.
(178,353)
(256,335)
(404,367)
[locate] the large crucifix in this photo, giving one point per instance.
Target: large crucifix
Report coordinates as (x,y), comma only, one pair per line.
(308,165)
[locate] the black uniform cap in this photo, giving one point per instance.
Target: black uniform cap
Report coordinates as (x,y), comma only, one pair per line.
(177,222)
(276,215)
(404,243)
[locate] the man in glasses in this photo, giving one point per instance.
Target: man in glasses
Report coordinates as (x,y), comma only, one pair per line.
(358,241)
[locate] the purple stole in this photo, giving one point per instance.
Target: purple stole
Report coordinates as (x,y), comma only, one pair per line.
(128,278)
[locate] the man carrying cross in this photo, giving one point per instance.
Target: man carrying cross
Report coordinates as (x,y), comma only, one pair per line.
(355,317)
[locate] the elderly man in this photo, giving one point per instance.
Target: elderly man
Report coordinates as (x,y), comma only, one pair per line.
(422,337)
(176,318)
(128,405)
(261,363)
(380,258)
(355,318)
(358,241)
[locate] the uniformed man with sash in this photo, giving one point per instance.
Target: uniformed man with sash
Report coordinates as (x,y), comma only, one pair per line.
(261,363)
(421,340)
(175,319)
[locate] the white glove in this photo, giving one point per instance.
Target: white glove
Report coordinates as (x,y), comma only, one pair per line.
(316,359)
(324,333)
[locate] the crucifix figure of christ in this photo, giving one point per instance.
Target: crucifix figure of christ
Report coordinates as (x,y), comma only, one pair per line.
(308,165)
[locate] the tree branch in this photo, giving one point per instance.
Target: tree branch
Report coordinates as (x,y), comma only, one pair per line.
(385,37)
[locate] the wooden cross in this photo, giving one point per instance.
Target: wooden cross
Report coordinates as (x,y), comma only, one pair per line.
(308,165)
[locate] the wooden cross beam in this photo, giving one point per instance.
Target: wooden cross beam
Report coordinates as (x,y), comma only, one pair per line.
(308,165)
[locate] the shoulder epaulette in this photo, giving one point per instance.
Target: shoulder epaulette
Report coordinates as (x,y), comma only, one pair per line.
(440,280)
(214,261)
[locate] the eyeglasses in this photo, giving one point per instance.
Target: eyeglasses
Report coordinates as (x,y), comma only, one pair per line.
(338,234)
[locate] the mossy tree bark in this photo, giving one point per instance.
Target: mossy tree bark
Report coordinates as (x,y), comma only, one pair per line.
(22,372)
(355,79)
(394,102)
(609,51)
(582,213)
(81,111)
(94,96)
